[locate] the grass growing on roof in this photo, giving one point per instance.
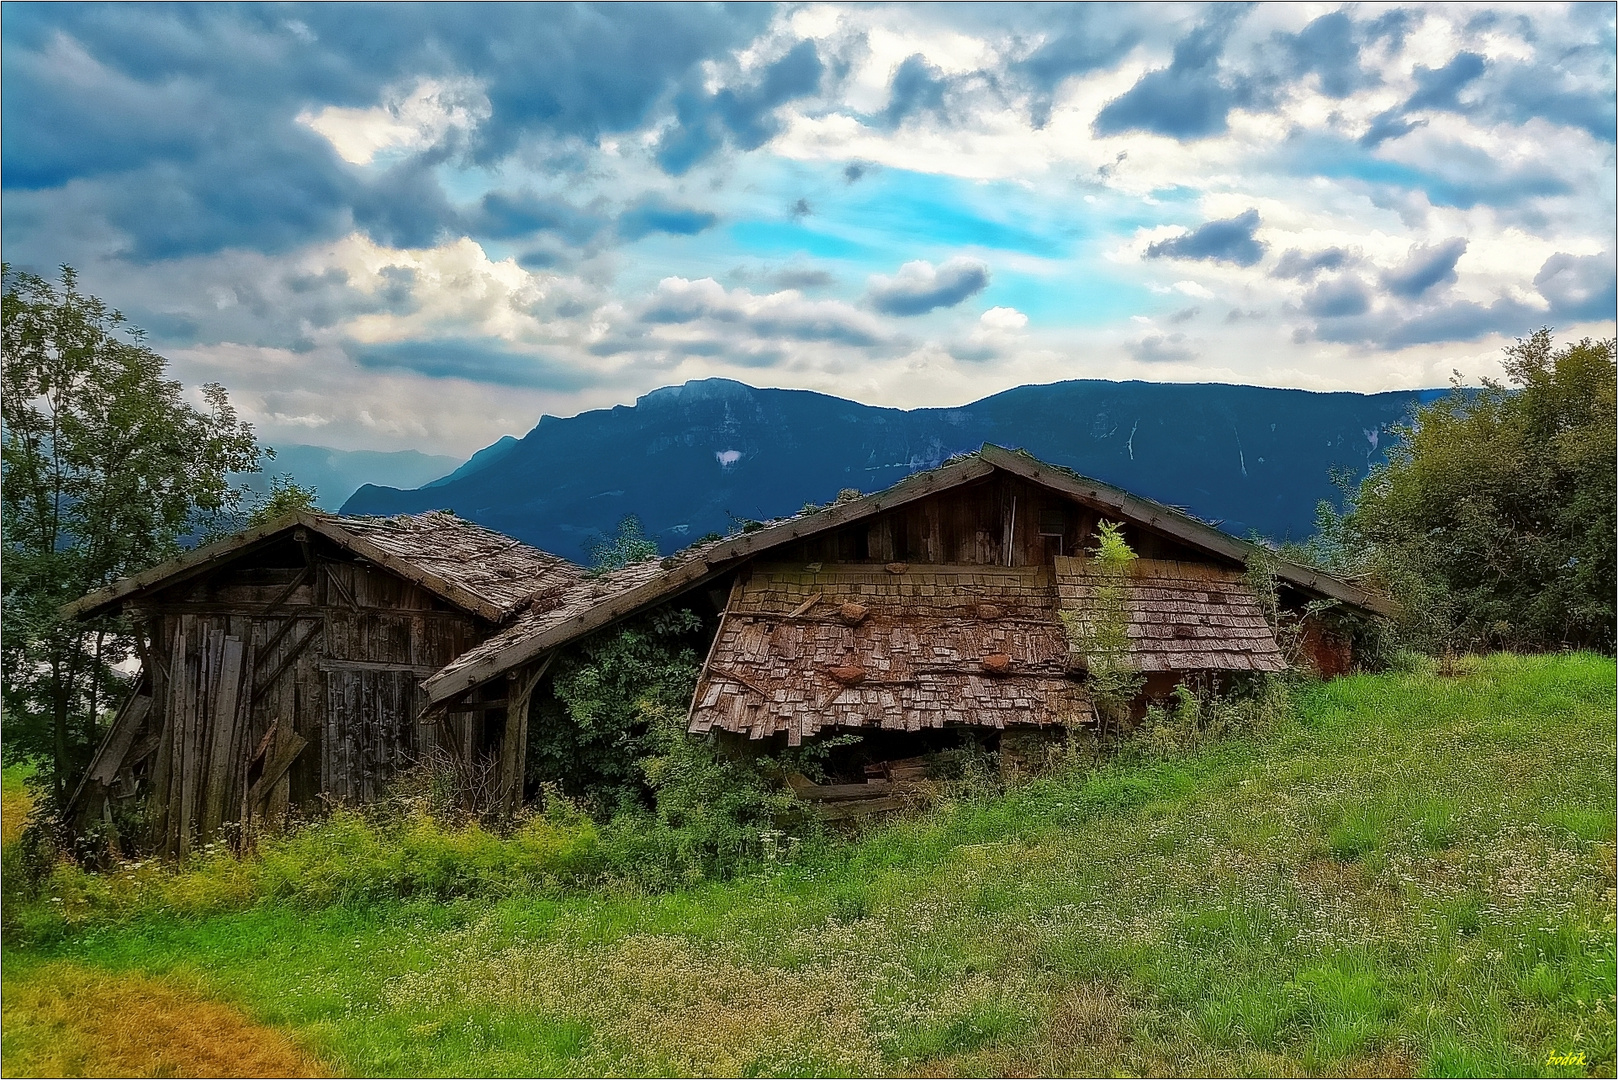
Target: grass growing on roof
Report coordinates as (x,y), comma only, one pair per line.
(1405,873)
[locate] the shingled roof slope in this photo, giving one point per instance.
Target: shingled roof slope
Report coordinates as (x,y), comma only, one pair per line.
(488,564)
(803,649)
(558,608)
(1182,616)
(474,568)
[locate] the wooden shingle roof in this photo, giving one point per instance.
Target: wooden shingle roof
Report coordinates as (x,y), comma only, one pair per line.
(1181,616)
(473,568)
(801,649)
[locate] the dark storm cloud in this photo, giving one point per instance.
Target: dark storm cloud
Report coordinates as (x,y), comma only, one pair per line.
(919,288)
(1530,92)
(657,214)
(1511,91)
(183,119)
(1427,266)
(1301,265)
(478,359)
(1576,288)
(1329,47)
(1083,40)
(1440,88)
(1463,321)
(1580,288)
(1391,124)
(1189,99)
(1437,90)
(405,207)
(743,115)
(917,87)
(1226,240)
(1338,298)
(505,215)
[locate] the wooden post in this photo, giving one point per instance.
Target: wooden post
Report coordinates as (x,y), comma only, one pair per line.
(514,743)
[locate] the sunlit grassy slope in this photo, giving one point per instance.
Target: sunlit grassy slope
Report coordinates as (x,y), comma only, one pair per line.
(15,801)
(1407,873)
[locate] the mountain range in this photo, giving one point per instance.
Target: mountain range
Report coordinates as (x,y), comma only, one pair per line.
(703,457)
(337,474)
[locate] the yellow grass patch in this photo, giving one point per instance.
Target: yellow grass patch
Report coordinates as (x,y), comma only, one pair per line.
(67,1020)
(14,807)
(661,1006)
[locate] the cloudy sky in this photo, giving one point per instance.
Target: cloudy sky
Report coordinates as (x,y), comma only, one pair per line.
(423,227)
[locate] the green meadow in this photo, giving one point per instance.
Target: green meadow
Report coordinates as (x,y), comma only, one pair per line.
(1406,873)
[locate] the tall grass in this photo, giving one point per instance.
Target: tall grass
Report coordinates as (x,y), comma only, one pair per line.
(1399,873)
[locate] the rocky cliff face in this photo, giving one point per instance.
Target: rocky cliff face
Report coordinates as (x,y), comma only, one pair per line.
(691,459)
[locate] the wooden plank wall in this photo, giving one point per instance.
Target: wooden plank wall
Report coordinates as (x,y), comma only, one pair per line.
(321,663)
(976,524)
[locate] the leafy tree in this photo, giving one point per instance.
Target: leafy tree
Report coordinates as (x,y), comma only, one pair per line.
(285,496)
(106,469)
(629,545)
(1493,520)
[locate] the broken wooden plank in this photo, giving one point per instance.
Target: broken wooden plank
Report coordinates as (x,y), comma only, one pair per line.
(276,768)
(329,664)
(804,607)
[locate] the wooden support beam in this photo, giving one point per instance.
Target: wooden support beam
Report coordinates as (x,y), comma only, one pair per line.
(333,581)
(285,662)
(514,742)
(281,597)
(275,767)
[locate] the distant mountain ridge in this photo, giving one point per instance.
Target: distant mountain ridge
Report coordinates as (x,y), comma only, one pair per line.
(693,459)
(337,474)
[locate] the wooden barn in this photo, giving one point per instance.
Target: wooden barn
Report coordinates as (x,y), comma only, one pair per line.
(936,604)
(280,668)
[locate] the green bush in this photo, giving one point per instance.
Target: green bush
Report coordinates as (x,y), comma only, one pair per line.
(1492,522)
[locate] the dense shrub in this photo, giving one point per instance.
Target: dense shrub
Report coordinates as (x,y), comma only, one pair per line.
(588,734)
(1493,520)
(674,807)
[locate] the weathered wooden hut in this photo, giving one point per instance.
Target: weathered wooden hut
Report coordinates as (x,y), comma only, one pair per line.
(935,604)
(280,668)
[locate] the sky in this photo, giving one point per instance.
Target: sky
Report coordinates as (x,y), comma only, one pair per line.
(388,227)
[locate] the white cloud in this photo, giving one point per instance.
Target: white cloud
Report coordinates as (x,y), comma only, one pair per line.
(403,122)
(1003,318)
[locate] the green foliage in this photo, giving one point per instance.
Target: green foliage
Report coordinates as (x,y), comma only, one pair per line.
(285,496)
(589,734)
(629,545)
(678,807)
(1197,717)
(1493,521)
(1099,637)
(107,469)
(720,807)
